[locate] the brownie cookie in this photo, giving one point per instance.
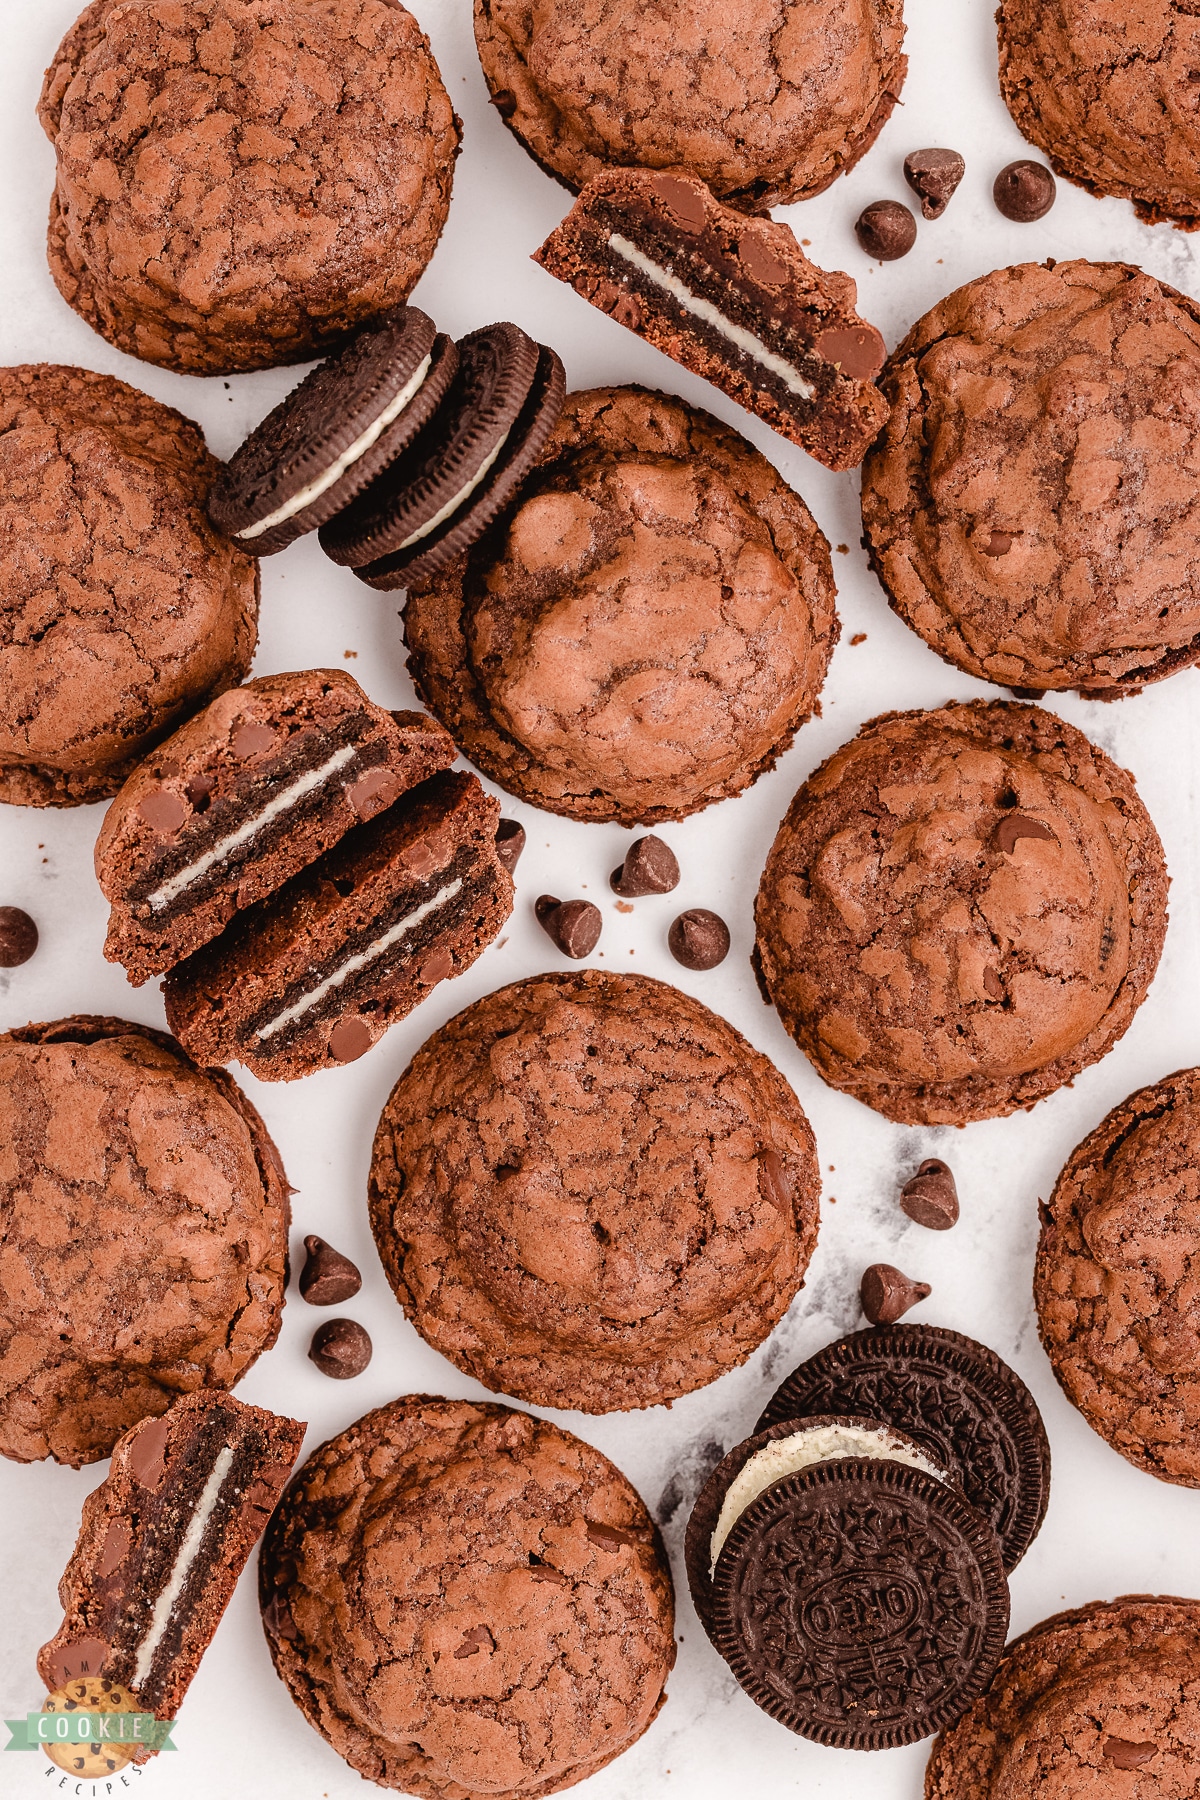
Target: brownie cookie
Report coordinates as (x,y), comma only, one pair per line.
(123,610)
(1104,1700)
(961,910)
(143,1234)
(957,1399)
(240,799)
(767,102)
(313,975)
(589,1191)
(1110,97)
(734,300)
(1117,1305)
(1029,503)
(162,1543)
(466,1600)
(242,182)
(646,627)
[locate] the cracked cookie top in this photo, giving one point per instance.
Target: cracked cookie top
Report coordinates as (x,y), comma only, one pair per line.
(961,910)
(466,1600)
(123,609)
(645,628)
(1030,503)
(766,101)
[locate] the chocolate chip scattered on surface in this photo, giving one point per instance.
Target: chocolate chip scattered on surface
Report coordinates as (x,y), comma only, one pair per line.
(573,925)
(887,1293)
(931,1197)
(699,939)
(886,230)
(510,841)
(328,1278)
(650,867)
(1024,191)
(934,175)
(18,937)
(340,1348)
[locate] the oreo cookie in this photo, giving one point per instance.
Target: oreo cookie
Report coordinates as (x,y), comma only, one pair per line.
(334,433)
(862,1603)
(437,499)
(959,1401)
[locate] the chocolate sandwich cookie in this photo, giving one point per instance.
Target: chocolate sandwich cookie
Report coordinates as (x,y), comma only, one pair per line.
(779,1450)
(467,1600)
(1022,428)
(957,1399)
(733,299)
(124,611)
(143,1234)
(333,434)
(961,910)
(272,176)
(767,102)
(313,975)
(645,628)
(861,1601)
(1103,1700)
(251,790)
(162,1543)
(589,1191)
(442,494)
(1114,1283)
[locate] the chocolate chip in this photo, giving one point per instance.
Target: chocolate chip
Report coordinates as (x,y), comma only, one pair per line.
(992,985)
(1016,826)
(650,867)
(199,791)
(18,937)
(510,841)
(886,229)
(477,1639)
(759,260)
(84,1657)
(1122,1753)
(774,1182)
(437,966)
(350,1039)
(148,1453)
(684,200)
(163,811)
(251,739)
(858,350)
(340,1348)
(933,175)
(699,939)
(1024,191)
(117,1540)
(574,925)
(543,1572)
(999,543)
(608,1535)
(931,1197)
(327,1277)
(504,101)
(372,792)
(277,1617)
(887,1293)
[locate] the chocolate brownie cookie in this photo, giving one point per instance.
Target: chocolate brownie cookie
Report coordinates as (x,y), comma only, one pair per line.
(162,1543)
(242,182)
(767,102)
(734,300)
(589,1191)
(961,910)
(122,609)
(143,1234)
(313,975)
(1029,503)
(1104,1700)
(645,628)
(1117,1305)
(240,799)
(1110,97)
(466,1600)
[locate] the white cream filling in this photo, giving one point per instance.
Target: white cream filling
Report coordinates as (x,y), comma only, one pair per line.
(186,1555)
(353,964)
(784,1456)
(452,506)
(704,309)
(162,896)
(321,484)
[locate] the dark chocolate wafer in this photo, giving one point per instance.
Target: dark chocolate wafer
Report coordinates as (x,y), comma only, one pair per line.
(437,499)
(863,1604)
(956,1397)
(335,433)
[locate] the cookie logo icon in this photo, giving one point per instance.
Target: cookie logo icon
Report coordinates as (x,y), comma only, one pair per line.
(97,1757)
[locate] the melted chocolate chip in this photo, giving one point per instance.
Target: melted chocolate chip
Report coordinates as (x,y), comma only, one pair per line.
(774,1182)
(251,739)
(933,175)
(277,1617)
(1024,191)
(699,939)
(148,1453)
(573,925)
(328,1278)
(608,1536)
(931,1197)
(858,350)
(341,1348)
(1123,1753)
(999,543)
(886,230)
(350,1038)
(163,811)
(199,791)
(992,984)
(683,200)
(650,867)
(117,1540)
(1016,826)
(437,966)
(477,1639)
(887,1293)
(82,1658)
(372,792)
(18,937)
(759,259)
(510,841)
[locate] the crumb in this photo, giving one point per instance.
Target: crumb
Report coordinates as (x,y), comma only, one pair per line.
(501,943)
(860,637)
(832,1199)
(806,242)
(350,655)
(623,906)
(843,549)
(632,953)
(833,1168)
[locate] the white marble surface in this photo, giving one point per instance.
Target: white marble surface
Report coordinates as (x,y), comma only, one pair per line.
(1110,1530)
